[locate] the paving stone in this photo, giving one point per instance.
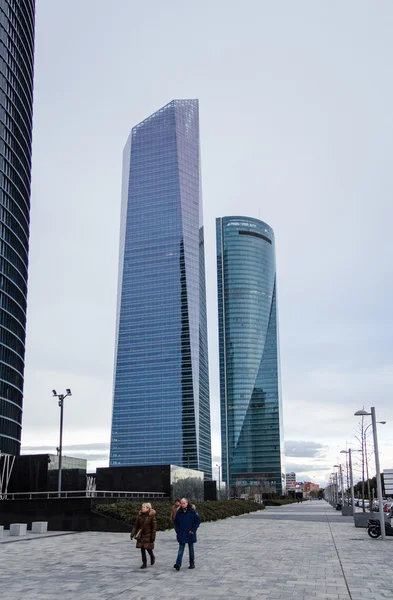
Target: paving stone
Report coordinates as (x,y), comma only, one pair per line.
(295,552)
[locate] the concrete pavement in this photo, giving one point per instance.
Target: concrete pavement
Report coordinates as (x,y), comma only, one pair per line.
(298,552)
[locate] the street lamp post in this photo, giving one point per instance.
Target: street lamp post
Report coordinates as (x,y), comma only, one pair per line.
(341,482)
(366,460)
(334,490)
(349,452)
(219,480)
(60,448)
(363,413)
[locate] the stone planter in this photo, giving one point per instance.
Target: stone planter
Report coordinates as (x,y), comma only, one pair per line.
(361,518)
(346,511)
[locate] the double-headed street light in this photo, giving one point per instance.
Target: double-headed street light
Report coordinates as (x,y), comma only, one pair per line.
(60,448)
(364,413)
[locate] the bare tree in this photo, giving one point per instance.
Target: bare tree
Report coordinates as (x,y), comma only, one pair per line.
(366,435)
(360,437)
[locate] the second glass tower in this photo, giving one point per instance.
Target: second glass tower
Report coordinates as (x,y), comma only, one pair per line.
(251,427)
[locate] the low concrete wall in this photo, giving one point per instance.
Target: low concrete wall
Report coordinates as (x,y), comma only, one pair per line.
(62,514)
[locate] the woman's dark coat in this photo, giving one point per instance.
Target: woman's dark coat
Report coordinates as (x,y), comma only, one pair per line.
(147,522)
(185,521)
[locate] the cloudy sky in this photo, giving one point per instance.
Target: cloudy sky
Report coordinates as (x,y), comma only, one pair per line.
(296,129)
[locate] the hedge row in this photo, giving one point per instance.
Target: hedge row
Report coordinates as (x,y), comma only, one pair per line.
(281,501)
(208,511)
(278,501)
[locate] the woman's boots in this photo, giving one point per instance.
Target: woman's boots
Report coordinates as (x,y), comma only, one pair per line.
(144,561)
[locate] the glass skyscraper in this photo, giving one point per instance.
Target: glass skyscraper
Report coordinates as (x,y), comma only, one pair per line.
(16,110)
(161,409)
(251,428)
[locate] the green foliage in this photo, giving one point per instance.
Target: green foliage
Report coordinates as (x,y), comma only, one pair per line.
(280,501)
(372,483)
(208,511)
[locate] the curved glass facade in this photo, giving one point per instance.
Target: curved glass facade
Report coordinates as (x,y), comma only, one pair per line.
(161,409)
(251,429)
(16,109)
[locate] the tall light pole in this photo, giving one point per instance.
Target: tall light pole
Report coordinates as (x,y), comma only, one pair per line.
(363,413)
(366,459)
(60,448)
(334,489)
(341,482)
(349,452)
(336,483)
(219,480)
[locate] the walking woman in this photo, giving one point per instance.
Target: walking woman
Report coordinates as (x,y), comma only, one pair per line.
(144,531)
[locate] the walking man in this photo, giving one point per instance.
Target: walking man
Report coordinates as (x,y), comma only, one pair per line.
(186,523)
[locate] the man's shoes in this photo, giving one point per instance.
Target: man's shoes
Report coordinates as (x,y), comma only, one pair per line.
(152,560)
(143,566)
(177,567)
(191,567)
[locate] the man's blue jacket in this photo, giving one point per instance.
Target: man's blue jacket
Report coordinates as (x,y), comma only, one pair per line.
(185,521)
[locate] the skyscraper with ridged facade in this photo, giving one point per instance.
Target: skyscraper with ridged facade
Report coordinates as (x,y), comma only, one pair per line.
(161,409)
(250,394)
(17,18)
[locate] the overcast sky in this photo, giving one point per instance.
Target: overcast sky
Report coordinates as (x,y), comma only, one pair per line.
(296,129)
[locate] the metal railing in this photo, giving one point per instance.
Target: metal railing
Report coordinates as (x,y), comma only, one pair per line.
(81,494)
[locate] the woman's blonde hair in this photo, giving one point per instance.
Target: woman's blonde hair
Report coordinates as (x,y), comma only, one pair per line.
(147,504)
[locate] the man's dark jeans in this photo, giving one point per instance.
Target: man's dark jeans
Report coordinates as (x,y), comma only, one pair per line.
(181,552)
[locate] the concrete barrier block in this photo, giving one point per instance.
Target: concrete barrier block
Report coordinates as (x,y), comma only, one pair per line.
(39,527)
(347,511)
(362,518)
(1,531)
(18,529)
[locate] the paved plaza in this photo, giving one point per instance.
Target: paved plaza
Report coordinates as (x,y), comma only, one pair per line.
(298,552)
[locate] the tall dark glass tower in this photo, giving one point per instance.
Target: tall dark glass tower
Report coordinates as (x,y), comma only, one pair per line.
(161,409)
(16,109)
(251,428)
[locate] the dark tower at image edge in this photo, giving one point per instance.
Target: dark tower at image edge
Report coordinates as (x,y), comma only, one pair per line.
(17,19)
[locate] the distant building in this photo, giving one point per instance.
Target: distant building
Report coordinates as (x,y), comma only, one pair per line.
(388,481)
(290,479)
(309,487)
(39,473)
(171,480)
(250,388)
